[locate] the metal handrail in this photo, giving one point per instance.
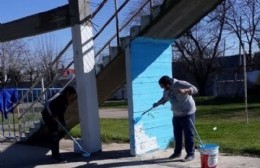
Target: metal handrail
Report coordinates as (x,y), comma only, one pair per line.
(110,19)
(134,15)
(40,76)
(70,42)
(99,8)
(57,58)
(46,89)
(38,100)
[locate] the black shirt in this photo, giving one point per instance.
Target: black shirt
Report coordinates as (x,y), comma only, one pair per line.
(58,107)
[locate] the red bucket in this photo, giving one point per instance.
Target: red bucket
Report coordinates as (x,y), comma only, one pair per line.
(209,155)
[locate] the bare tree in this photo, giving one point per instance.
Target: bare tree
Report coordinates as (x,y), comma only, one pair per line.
(12,55)
(243,20)
(31,70)
(45,53)
(14,76)
(200,47)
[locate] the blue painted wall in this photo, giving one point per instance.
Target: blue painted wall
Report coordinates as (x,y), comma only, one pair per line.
(149,60)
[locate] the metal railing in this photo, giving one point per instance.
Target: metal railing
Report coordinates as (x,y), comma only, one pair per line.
(10,128)
(28,108)
(117,27)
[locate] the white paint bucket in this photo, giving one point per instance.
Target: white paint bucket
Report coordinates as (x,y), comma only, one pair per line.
(209,155)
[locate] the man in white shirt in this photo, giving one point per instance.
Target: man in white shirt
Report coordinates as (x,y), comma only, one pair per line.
(179,93)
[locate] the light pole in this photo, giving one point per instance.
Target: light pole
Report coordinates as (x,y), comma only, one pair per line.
(245,83)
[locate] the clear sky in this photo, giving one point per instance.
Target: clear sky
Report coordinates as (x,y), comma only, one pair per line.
(15,9)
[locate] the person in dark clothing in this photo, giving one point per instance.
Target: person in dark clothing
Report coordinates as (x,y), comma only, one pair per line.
(54,113)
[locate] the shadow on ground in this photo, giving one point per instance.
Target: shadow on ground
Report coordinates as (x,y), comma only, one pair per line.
(28,156)
(123,159)
(17,155)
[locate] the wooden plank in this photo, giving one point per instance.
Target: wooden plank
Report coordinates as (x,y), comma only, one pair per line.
(44,22)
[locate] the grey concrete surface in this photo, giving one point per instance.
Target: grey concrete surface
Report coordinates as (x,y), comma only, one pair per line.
(113,113)
(113,155)
(15,155)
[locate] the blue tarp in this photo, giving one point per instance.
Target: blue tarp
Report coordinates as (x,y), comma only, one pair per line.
(8,97)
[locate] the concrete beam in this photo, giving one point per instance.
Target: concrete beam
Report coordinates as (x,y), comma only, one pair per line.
(180,17)
(44,22)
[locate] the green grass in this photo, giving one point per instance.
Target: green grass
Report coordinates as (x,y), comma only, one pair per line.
(112,130)
(233,135)
(115,104)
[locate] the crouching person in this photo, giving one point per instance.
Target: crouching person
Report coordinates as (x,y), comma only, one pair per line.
(54,113)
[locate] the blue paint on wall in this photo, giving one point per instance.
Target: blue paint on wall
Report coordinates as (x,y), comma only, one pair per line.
(149,60)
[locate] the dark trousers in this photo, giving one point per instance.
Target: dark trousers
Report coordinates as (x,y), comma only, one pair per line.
(183,126)
(54,135)
(55,144)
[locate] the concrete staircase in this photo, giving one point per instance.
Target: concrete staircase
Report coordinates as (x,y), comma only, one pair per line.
(166,21)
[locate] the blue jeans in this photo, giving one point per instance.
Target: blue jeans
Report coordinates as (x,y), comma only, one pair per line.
(183,125)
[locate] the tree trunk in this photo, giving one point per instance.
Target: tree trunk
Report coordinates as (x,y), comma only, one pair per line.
(202,88)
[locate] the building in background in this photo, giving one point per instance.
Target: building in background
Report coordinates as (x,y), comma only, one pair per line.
(228,79)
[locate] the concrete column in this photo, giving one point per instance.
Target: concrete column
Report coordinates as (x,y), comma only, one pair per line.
(146,61)
(84,61)
(130,100)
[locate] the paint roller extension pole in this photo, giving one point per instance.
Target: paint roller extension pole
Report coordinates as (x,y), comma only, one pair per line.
(201,143)
(137,119)
(147,110)
(84,153)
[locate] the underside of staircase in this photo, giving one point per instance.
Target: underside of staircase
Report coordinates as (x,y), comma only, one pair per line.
(167,21)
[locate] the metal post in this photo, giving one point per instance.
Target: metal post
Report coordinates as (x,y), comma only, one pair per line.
(224,52)
(117,24)
(43,90)
(240,33)
(245,84)
(14,124)
(235,84)
(151,6)
(4,80)
(33,113)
